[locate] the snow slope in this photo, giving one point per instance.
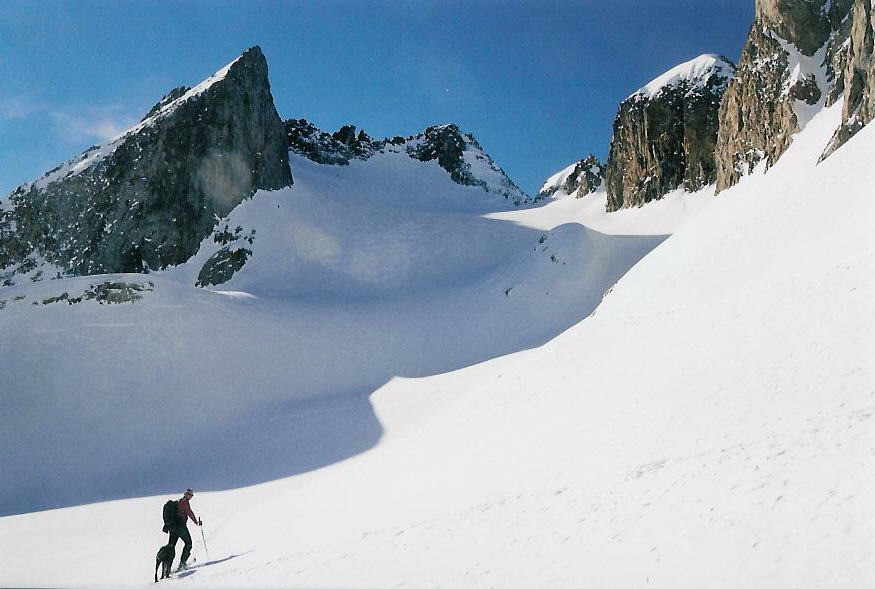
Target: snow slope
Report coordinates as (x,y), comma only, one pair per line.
(709,425)
(359,274)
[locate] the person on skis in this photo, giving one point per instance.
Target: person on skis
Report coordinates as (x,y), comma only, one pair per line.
(180,528)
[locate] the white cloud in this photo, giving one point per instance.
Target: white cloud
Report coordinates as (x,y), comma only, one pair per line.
(17,107)
(96,123)
(92,124)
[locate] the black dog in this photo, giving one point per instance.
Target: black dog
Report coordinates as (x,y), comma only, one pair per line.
(164,559)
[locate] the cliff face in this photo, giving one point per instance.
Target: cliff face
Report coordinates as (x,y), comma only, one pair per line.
(146,199)
(859,76)
(794,57)
(665,134)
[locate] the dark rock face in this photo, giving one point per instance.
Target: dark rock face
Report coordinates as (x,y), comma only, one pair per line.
(222,265)
(337,148)
(805,23)
(146,200)
(665,136)
(587,177)
(757,117)
(859,75)
(839,50)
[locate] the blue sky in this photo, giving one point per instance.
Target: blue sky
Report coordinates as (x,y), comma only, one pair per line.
(538,83)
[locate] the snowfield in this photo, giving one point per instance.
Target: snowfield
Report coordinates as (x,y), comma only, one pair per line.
(709,423)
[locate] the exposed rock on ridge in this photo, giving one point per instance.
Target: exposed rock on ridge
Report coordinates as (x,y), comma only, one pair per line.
(793,57)
(579,179)
(147,198)
(665,134)
(456,152)
(859,87)
(306,139)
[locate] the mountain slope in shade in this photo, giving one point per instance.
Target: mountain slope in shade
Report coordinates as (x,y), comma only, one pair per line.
(356,275)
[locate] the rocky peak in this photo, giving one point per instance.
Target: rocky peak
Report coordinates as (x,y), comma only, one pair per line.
(665,133)
(447,145)
(456,152)
(791,63)
(689,78)
(465,160)
(145,199)
(579,179)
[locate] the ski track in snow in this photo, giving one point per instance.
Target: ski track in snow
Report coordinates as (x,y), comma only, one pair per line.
(709,425)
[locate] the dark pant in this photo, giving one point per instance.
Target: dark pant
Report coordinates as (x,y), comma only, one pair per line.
(177,532)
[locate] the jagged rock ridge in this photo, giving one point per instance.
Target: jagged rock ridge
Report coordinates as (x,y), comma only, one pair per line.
(146,199)
(793,59)
(337,148)
(665,133)
(579,179)
(456,152)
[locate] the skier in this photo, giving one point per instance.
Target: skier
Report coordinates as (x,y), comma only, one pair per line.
(180,529)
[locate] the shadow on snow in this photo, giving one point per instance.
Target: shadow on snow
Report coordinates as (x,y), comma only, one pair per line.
(200,390)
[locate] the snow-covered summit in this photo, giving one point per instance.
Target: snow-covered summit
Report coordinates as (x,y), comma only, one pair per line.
(580,178)
(465,159)
(555,182)
(696,73)
(457,152)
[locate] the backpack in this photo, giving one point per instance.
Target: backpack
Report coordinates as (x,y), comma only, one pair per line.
(171,514)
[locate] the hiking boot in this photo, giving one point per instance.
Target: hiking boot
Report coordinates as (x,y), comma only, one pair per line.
(182,566)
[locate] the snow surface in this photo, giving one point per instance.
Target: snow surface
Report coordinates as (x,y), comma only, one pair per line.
(661,217)
(697,72)
(711,424)
(359,274)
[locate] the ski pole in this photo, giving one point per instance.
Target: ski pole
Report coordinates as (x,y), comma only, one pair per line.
(207,550)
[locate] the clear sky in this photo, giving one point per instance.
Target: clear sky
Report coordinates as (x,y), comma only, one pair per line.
(537,82)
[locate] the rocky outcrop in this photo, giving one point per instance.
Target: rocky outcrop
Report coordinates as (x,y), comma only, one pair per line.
(465,160)
(338,148)
(579,179)
(807,24)
(456,152)
(665,134)
(859,75)
(793,57)
(146,199)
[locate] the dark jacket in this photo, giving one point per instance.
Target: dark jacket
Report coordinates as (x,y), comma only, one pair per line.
(185,512)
